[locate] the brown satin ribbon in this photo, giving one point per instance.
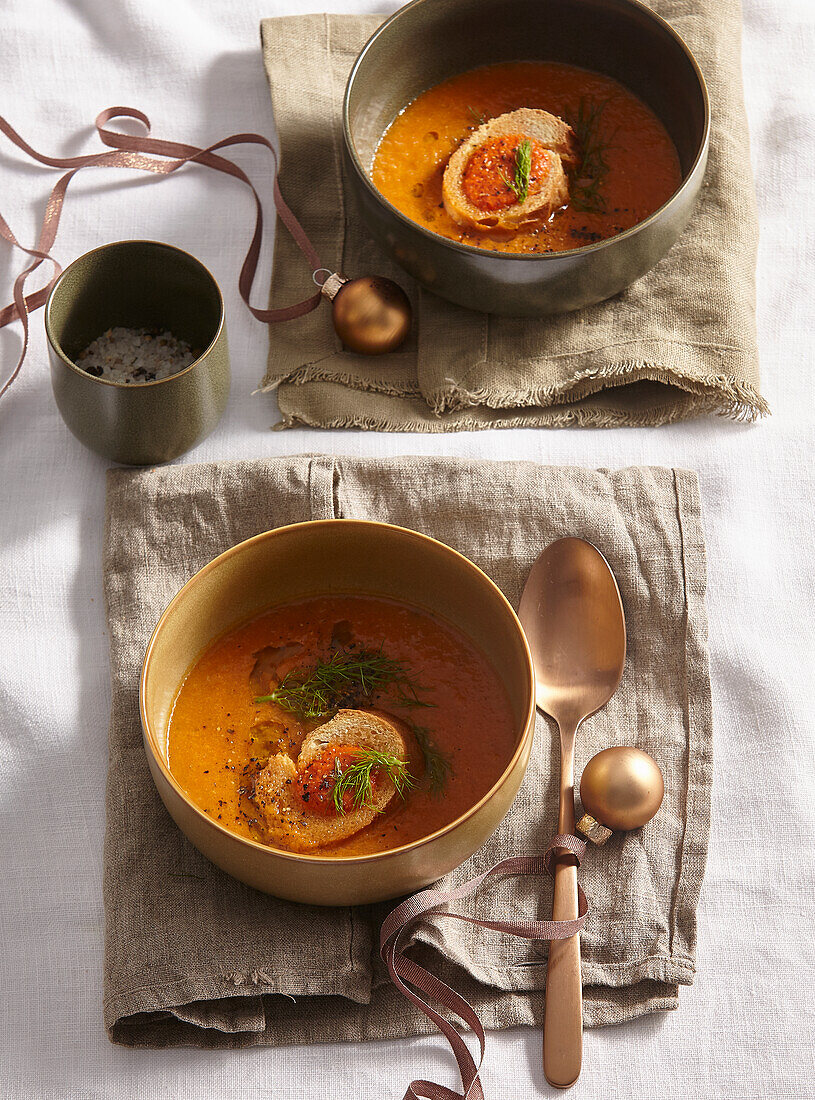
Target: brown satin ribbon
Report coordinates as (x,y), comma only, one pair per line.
(406,973)
(131,153)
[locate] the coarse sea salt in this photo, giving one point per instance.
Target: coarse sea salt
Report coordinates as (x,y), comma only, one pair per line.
(135,356)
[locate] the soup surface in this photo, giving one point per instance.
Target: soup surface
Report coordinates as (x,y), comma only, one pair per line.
(421,671)
(628,166)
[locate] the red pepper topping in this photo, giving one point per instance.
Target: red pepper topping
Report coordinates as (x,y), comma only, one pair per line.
(316,783)
(491,169)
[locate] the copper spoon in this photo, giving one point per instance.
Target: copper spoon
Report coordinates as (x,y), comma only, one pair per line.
(573,619)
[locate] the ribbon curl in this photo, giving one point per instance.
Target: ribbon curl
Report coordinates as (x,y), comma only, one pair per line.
(140,152)
(407,973)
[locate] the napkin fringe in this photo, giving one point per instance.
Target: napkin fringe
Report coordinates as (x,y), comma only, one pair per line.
(551,417)
(725,394)
(741,404)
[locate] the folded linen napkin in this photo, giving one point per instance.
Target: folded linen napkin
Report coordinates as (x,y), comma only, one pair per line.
(194,957)
(679,343)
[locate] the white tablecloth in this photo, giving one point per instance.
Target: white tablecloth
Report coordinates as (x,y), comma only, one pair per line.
(745,1029)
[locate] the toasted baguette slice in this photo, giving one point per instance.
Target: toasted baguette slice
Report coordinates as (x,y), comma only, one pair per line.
(288,821)
(552,133)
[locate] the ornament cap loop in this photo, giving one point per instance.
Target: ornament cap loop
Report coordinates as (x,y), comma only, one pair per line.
(592,829)
(333,284)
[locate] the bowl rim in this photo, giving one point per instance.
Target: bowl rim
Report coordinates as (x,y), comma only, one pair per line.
(132,386)
(522,257)
(527,734)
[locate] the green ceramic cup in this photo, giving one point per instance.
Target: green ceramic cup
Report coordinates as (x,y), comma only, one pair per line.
(138,284)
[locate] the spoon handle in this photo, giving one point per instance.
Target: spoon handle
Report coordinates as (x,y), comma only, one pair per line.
(563,1009)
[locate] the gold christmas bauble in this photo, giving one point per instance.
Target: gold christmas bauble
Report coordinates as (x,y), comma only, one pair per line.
(371,315)
(622,788)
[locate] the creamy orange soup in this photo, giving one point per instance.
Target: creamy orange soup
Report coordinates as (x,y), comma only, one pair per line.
(640,166)
(220,736)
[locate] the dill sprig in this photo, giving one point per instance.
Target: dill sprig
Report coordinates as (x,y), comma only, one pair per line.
(477,118)
(437,767)
(523,167)
(586,191)
(345,678)
(357,778)
(519,186)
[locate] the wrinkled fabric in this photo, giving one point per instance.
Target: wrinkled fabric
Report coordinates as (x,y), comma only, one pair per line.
(679,343)
(194,957)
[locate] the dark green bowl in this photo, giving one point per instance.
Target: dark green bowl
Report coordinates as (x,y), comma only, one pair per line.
(430,40)
(138,284)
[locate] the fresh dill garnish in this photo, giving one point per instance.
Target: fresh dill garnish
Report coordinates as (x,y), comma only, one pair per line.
(477,118)
(437,767)
(344,679)
(523,167)
(519,185)
(589,177)
(357,778)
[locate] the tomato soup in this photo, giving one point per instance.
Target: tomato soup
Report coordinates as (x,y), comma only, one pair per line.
(628,164)
(243,703)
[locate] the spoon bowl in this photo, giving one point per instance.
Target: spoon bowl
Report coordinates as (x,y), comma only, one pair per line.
(572,616)
(573,619)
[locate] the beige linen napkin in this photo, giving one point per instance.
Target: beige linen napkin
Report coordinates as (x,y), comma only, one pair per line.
(679,343)
(194,957)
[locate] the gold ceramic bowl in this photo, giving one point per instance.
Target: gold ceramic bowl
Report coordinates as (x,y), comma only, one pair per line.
(318,558)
